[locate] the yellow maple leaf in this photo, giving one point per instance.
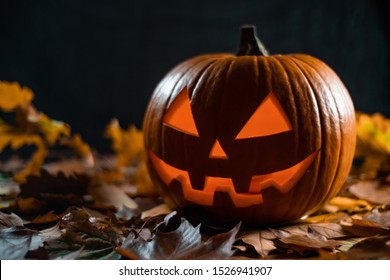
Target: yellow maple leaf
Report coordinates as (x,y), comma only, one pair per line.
(373,131)
(32,128)
(129,151)
(127,144)
(13,96)
(51,129)
(80,147)
(15,138)
(373,143)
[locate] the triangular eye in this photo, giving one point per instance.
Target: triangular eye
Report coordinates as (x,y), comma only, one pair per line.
(179,115)
(268,119)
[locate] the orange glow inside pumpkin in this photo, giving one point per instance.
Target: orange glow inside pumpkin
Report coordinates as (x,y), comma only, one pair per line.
(179,115)
(268,119)
(217,151)
(283,180)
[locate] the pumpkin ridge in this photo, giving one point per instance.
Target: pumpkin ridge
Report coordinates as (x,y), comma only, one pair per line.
(276,66)
(283,61)
(345,95)
(201,74)
(225,78)
(184,74)
(341,88)
(335,174)
(256,66)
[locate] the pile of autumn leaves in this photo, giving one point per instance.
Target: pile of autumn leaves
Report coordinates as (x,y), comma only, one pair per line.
(90,206)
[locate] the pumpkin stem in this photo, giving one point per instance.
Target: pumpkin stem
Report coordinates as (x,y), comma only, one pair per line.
(249,43)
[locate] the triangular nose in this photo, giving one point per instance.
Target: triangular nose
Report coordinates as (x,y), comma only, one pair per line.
(217,151)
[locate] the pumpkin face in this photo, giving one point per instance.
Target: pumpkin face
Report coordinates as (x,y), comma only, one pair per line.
(261,139)
(212,168)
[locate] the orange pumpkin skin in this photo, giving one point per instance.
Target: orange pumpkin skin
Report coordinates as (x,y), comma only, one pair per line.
(296,157)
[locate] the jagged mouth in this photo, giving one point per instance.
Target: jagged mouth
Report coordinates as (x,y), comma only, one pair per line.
(283,180)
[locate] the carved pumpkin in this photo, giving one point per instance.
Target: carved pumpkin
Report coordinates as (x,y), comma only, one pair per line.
(251,137)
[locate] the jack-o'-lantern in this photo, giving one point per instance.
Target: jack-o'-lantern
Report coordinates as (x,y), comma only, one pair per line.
(250,137)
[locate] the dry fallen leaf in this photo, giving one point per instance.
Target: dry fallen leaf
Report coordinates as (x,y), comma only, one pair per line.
(380,218)
(261,240)
(157,210)
(296,237)
(15,242)
(188,242)
(49,217)
(327,230)
(340,203)
(50,192)
(301,243)
(85,236)
(372,191)
(70,167)
(9,220)
(324,218)
(107,195)
(372,248)
(369,224)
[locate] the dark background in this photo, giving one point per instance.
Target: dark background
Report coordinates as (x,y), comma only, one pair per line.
(90,61)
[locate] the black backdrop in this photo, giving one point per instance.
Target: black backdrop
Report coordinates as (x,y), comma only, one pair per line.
(90,60)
